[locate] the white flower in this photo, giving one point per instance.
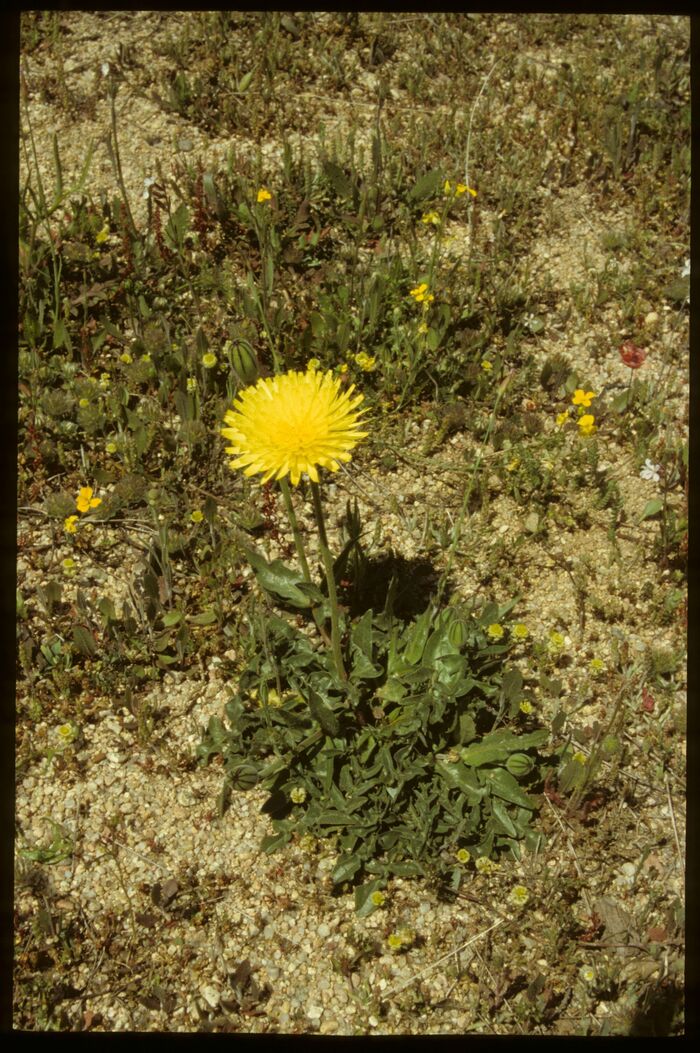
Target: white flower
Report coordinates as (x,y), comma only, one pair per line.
(685,273)
(650,471)
(104,69)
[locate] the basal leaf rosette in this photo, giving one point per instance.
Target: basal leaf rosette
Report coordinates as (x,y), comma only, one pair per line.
(292,424)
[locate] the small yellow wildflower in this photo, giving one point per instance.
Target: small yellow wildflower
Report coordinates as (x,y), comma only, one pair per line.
(563,417)
(395,941)
(515,463)
(579,757)
(582,398)
(146,357)
(105,380)
(263,195)
(519,896)
(85,501)
(420,294)
(588,973)
(520,631)
(485,364)
(367,363)
(197,516)
(126,358)
(431,217)
(460,188)
(556,641)
(423,328)
(84,402)
(102,235)
(378,898)
(209,360)
(526,706)
(596,665)
(485,865)
(307,842)
(495,631)
(313,363)
(111,447)
(298,795)
(69,524)
(462,855)
(191,385)
(67,732)
(344,368)
(68,565)
(587,424)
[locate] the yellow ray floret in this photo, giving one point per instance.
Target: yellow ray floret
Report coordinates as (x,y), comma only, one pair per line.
(292,423)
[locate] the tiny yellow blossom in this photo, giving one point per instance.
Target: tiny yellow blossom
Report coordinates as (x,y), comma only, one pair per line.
(495,631)
(431,217)
(111,447)
(367,363)
(526,706)
(105,380)
(191,384)
(344,368)
(420,294)
(485,865)
(84,402)
(209,360)
(587,424)
(582,398)
(519,896)
(69,524)
(378,898)
(512,465)
(395,941)
(126,358)
(67,732)
(102,235)
(579,757)
(263,195)
(563,417)
(556,641)
(423,328)
(85,501)
(520,631)
(313,363)
(485,364)
(462,855)
(68,565)
(596,665)
(196,516)
(298,795)
(588,973)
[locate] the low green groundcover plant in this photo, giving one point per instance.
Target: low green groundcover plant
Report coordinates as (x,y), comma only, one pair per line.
(386,736)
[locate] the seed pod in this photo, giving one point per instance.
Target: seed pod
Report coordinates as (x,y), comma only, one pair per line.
(457,634)
(245,363)
(519,764)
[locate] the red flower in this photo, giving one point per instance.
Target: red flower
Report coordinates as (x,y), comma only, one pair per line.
(632,355)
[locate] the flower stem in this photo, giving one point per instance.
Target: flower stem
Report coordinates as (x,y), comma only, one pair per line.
(301,552)
(328,566)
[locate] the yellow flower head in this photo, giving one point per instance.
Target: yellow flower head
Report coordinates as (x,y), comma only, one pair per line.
(420,294)
(197,516)
(263,195)
(582,398)
(69,524)
(587,424)
(431,217)
(495,631)
(102,235)
(562,418)
(486,365)
(208,360)
(85,501)
(291,423)
(368,363)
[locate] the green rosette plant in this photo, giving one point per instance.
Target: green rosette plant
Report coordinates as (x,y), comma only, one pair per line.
(385,735)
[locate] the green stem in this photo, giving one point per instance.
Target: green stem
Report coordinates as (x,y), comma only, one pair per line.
(301,552)
(330,578)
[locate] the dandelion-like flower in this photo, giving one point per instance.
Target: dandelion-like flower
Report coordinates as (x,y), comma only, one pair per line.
(291,424)
(263,195)
(495,631)
(519,896)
